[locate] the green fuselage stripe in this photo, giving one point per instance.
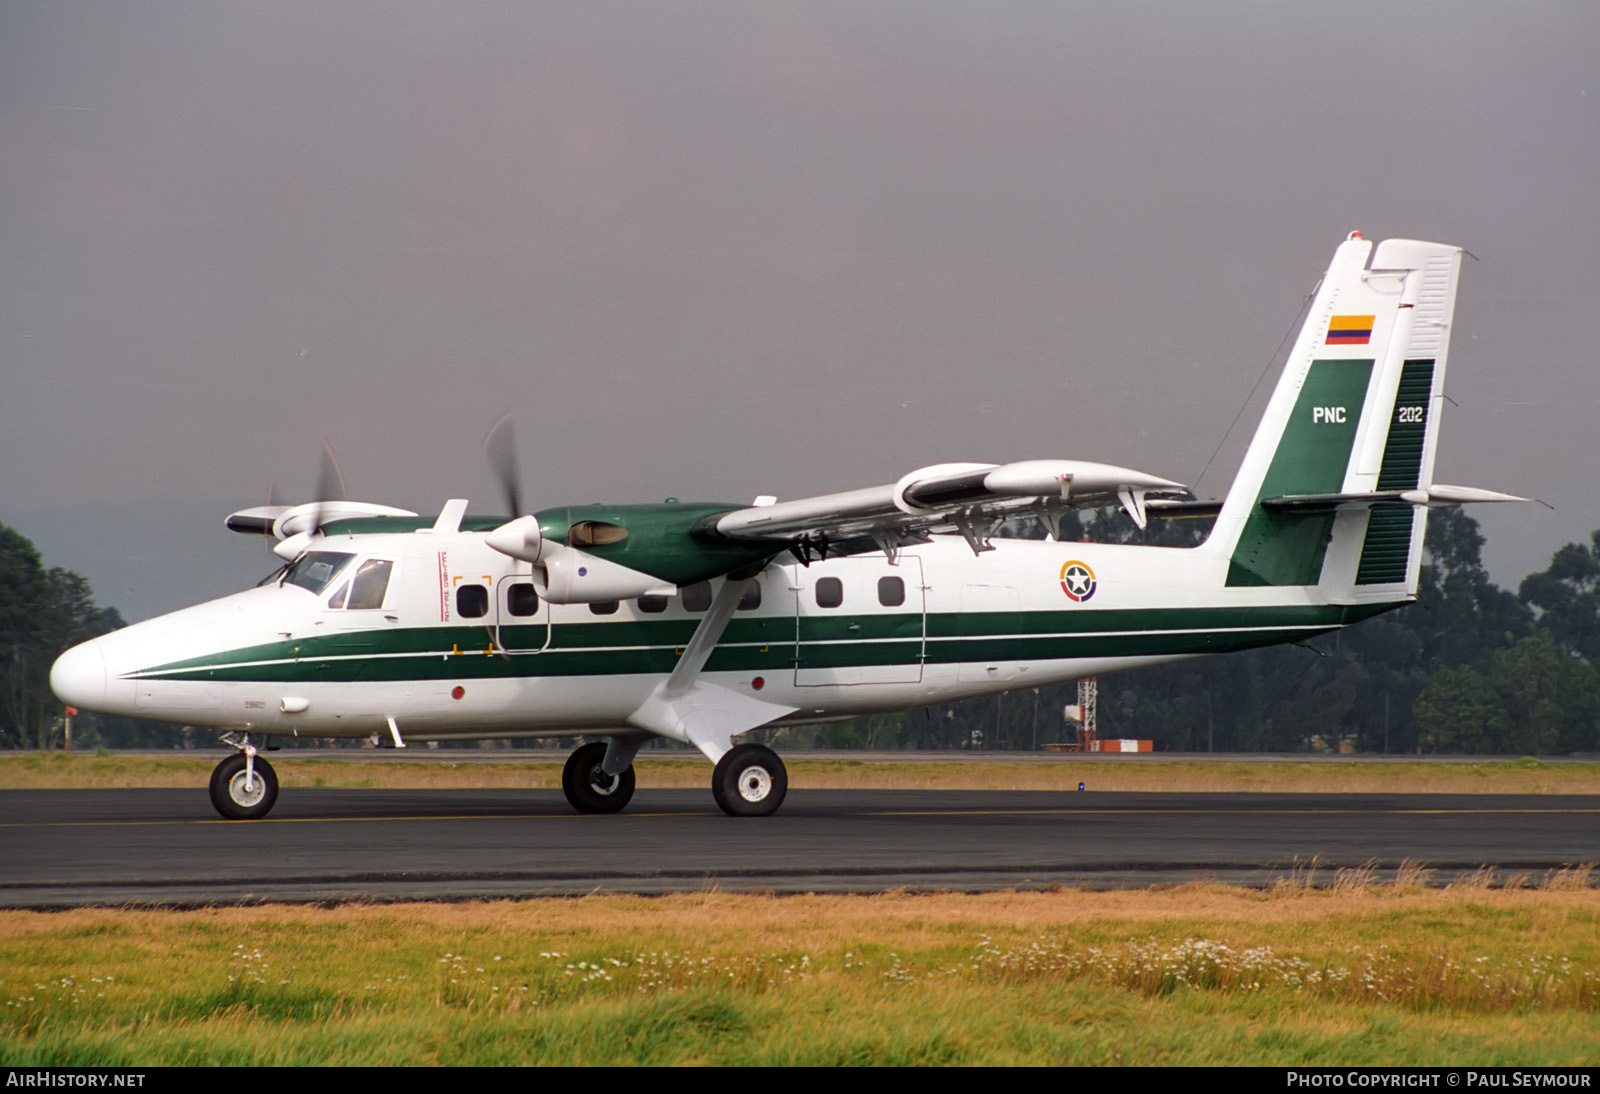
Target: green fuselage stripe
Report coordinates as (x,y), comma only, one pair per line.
(771,644)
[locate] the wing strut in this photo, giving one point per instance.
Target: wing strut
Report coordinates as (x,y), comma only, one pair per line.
(698,712)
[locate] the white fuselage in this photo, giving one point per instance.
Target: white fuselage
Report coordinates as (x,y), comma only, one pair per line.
(839,638)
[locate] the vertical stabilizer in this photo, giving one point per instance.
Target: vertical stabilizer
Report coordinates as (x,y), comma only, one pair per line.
(1353,415)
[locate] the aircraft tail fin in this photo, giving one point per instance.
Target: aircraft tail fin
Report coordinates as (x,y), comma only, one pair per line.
(1333,488)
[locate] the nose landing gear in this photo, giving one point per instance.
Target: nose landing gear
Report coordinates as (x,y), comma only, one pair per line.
(243,786)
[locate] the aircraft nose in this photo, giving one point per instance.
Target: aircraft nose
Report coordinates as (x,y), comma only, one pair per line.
(79,677)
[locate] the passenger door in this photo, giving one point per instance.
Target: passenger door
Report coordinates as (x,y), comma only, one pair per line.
(859,621)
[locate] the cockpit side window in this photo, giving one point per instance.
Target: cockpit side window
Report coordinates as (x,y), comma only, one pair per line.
(314,571)
(371,583)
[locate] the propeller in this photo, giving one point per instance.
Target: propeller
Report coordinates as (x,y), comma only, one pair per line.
(300,525)
(296,527)
(267,537)
(500,446)
(519,537)
(330,485)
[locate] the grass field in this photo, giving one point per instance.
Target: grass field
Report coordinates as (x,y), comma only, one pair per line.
(57,770)
(1353,974)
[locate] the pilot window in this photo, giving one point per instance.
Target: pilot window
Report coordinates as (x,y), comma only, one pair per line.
(891,591)
(522,599)
(653,604)
(751,600)
(696,597)
(830,592)
(604,607)
(472,601)
(371,582)
(315,570)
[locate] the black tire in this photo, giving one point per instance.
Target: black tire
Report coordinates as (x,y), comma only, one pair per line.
(750,781)
(228,791)
(588,788)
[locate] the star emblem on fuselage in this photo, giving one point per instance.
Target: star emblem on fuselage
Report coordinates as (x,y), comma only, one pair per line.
(1078,581)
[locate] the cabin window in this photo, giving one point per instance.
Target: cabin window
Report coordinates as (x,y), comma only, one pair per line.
(696,597)
(522,599)
(653,605)
(472,601)
(604,607)
(371,583)
(314,571)
(751,599)
(830,592)
(595,533)
(891,591)
(337,599)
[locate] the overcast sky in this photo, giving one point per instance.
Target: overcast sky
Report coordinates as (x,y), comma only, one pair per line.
(719,250)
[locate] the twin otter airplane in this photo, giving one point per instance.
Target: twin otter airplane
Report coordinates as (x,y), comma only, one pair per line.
(619,623)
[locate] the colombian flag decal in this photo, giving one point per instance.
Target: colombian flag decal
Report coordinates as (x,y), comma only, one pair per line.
(1349,330)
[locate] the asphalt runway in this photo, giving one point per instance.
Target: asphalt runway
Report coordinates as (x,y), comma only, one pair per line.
(62,848)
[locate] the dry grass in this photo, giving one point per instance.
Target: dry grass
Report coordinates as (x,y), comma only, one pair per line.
(542,770)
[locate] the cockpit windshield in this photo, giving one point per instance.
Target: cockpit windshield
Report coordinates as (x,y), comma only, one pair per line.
(274,577)
(315,570)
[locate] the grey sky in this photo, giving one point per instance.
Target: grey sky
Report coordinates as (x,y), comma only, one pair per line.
(718,250)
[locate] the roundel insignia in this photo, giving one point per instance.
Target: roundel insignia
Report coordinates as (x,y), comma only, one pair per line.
(1078,581)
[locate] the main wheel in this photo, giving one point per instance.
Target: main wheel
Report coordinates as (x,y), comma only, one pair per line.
(750,781)
(587,786)
(233,798)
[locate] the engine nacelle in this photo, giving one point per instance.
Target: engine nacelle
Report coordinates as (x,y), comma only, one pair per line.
(577,577)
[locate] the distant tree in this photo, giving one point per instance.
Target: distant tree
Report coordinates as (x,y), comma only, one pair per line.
(1533,698)
(1566,596)
(42,612)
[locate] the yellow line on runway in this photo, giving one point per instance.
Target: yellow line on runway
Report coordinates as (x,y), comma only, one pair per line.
(341,820)
(1205,812)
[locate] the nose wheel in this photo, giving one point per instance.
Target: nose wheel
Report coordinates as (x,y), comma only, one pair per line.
(244,787)
(750,781)
(587,786)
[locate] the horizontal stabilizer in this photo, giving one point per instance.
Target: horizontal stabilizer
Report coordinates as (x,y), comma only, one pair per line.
(1436,495)
(1440,494)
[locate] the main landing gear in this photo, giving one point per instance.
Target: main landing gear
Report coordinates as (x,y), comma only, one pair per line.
(587,786)
(749,781)
(244,786)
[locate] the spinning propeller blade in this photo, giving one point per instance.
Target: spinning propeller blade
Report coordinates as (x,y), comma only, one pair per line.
(500,446)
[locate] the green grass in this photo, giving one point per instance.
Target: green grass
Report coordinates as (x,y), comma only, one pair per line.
(1197,975)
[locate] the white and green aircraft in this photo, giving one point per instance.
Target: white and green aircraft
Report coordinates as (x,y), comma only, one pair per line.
(700,623)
